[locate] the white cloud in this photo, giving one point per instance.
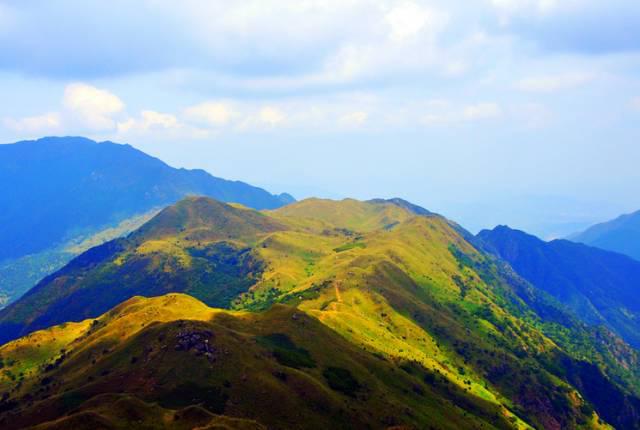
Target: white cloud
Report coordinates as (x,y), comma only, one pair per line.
(46,123)
(443,112)
(539,6)
(553,83)
(160,126)
(153,119)
(211,113)
(481,111)
(408,19)
(84,109)
(635,103)
(356,118)
(92,106)
(437,118)
(149,121)
(271,116)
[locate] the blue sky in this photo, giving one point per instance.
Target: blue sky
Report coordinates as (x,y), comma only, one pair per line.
(520,112)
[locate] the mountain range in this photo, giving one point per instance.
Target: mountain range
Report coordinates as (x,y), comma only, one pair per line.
(318,314)
(599,286)
(620,235)
(63,192)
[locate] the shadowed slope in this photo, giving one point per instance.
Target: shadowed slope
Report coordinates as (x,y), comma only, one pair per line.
(601,287)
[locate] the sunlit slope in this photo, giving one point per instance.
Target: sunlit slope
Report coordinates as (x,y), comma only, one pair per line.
(348,213)
(404,291)
(180,361)
(394,281)
(198,218)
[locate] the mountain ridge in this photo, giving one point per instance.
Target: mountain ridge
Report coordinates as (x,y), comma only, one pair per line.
(620,235)
(299,371)
(406,287)
(598,285)
(106,179)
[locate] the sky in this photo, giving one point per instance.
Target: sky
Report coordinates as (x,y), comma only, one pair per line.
(518,112)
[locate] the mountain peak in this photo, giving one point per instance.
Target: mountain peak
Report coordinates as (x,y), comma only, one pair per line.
(62,140)
(90,185)
(350,213)
(200,217)
(418,210)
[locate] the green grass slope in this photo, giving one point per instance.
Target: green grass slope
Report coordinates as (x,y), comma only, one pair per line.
(198,246)
(172,362)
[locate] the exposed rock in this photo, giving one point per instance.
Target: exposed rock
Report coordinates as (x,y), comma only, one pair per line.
(197,340)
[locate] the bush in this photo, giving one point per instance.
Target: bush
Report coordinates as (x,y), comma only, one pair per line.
(341,380)
(286,352)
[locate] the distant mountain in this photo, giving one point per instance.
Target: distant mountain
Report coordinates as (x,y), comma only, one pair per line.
(62,185)
(601,287)
(58,190)
(17,275)
(339,314)
(620,235)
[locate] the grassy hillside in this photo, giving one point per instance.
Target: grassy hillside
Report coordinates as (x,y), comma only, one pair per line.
(199,246)
(180,362)
(381,280)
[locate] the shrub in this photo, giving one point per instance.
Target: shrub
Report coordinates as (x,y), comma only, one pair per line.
(341,380)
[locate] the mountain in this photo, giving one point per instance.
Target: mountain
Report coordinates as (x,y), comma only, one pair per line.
(68,189)
(620,235)
(172,357)
(18,275)
(336,314)
(600,287)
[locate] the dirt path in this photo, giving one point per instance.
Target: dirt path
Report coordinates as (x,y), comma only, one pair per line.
(338,296)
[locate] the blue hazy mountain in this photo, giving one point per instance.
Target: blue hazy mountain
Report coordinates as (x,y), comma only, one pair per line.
(620,235)
(599,286)
(53,187)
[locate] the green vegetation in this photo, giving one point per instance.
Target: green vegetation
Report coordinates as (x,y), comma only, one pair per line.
(286,352)
(132,349)
(365,313)
(19,274)
(348,246)
(341,380)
